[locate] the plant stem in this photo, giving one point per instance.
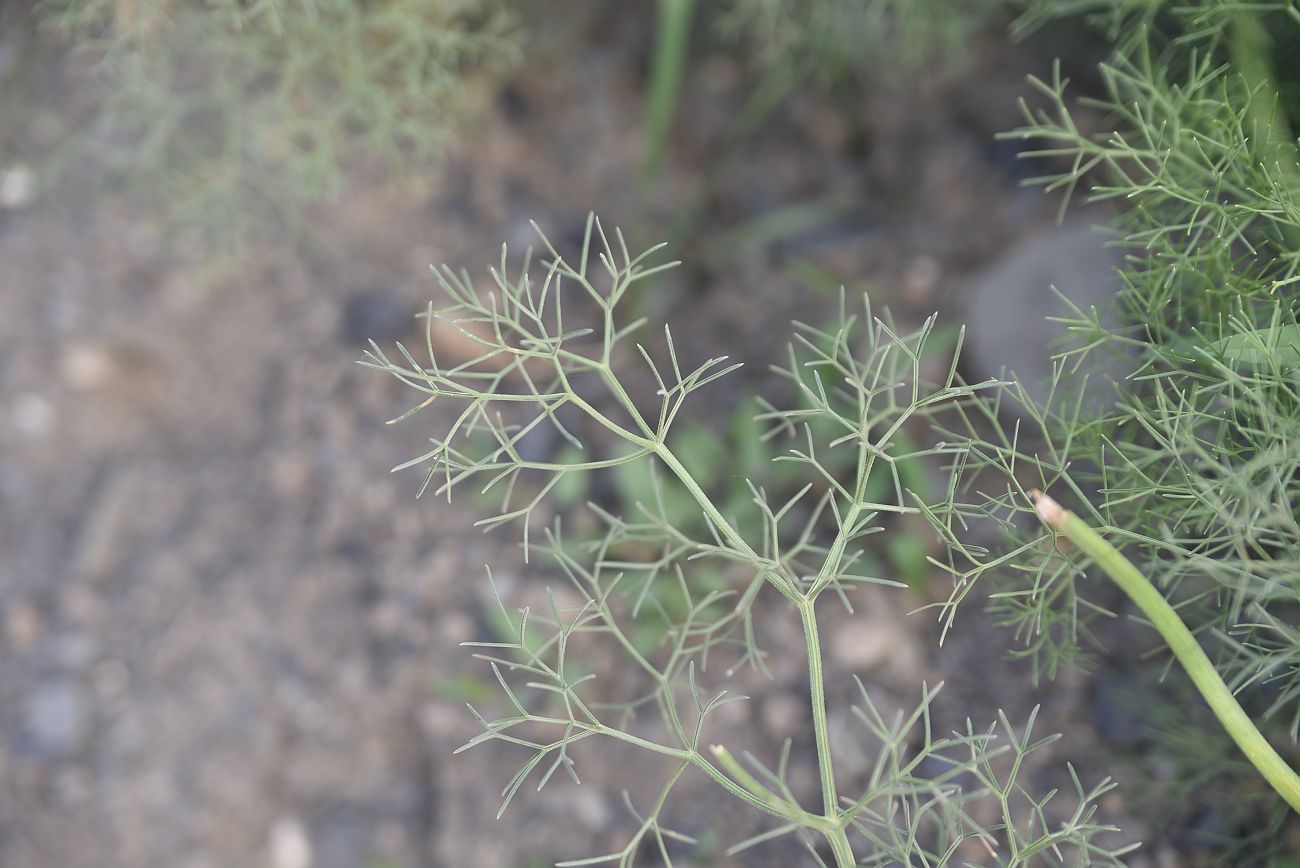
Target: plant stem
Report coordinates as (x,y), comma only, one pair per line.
(672,39)
(774,803)
(840,847)
(830,825)
(830,801)
(719,521)
(821,734)
(1180,640)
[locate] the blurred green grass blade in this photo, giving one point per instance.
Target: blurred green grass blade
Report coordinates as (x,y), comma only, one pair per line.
(672,42)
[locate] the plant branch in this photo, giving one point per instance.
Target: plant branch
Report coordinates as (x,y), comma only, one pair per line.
(1180,640)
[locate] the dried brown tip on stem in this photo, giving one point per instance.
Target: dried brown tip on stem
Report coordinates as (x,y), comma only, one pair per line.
(1051,512)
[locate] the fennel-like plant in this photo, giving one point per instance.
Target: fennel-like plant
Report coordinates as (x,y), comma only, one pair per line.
(543,362)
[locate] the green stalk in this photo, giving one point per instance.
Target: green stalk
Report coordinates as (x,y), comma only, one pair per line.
(1180,640)
(821,735)
(751,784)
(821,732)
(840,846)
(672,39)
(830,825)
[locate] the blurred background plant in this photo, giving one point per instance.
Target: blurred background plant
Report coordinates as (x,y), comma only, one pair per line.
(232,118)
(835,42)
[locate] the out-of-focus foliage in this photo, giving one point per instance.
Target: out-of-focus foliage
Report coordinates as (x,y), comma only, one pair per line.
(834,40)
(229,111)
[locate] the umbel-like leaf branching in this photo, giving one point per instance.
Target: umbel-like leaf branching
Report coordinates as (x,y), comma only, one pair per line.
(543,363)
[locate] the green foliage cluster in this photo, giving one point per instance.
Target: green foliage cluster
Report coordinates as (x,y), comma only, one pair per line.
(233,115)
(1194,467)
(1196,460)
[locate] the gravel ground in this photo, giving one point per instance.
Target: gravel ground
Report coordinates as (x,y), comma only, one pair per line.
(231,638)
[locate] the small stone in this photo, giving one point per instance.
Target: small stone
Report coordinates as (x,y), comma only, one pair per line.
(874,642)
(56,719)
(23,625)
(290,475)
(920,280)
(1167,857)
(385,619)
(456,627)
(17,187)
(782,713)
(590,807)
(102,540)
(87,368)
(1118,704)
(442,719)
(33,415)
(289,844)
(848,744)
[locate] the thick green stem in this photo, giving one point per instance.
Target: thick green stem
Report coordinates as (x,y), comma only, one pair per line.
(1181,641)
(840,847)
(822,736)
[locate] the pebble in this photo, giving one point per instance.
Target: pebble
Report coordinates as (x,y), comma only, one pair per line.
(17,187)
(56,718)
(102,540)
(289,845)
(590,807)
(867,643)
(443,719)
(782,713)
(23,625)
(920,280)
(111,678)
(33,415)
(87,368)
(849,743)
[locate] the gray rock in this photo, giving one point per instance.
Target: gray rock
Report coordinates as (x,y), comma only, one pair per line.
(56,719)
(1118,708)
(1007,306)
(375,315)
